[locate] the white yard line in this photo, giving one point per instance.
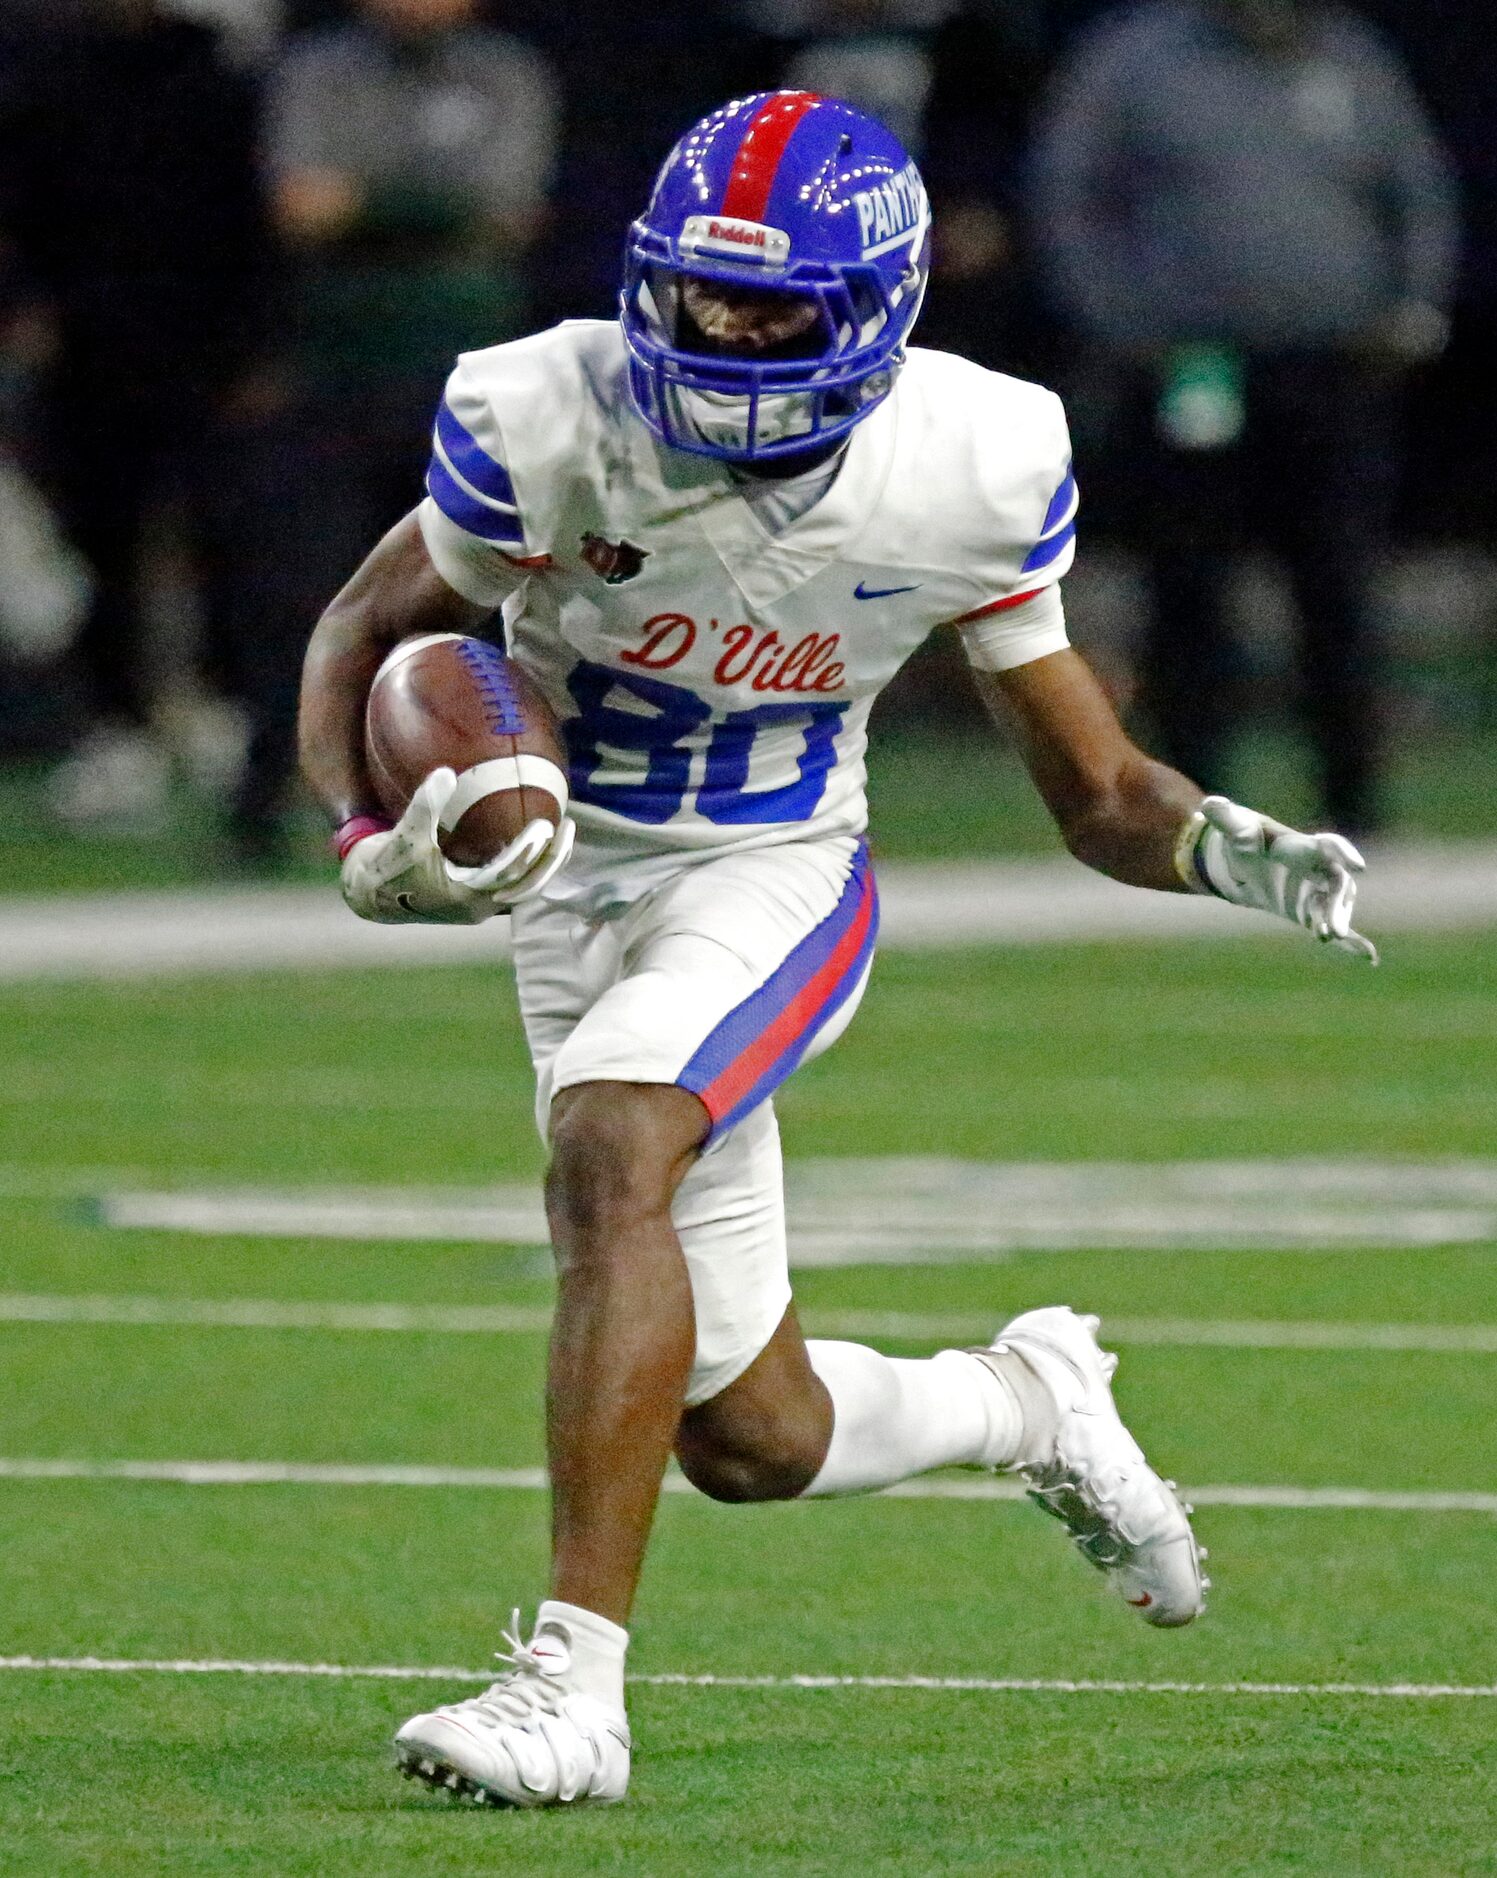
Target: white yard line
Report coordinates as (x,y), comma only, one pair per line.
(1271,1498)
(288,1473)
(26,1307)
(980,1685)
(1409,888)
(1181,1332)
(533,1480)
(912,1209)
(275,1314)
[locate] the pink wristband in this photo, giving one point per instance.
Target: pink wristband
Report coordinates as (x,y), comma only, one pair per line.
(347,835)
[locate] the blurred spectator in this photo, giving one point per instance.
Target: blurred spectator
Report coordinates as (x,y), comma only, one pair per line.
(956,81)
(131,198)
(632,77)
(25,338)
(860,50)
(249,29)
(1245,211)
(44,586)
(988,64)
(801,19)
(1453,455)
(411,153)
(45,589)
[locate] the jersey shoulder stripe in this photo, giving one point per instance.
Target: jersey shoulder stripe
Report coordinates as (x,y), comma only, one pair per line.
(1062,504)
(1058,529)
(518,429)
(484,474)
(1048,550)
(469,484)
(461,506)
(998,451)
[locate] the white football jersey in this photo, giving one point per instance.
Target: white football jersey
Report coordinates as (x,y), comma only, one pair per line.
(713,664)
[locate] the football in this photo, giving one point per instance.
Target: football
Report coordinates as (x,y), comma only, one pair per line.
(446,699)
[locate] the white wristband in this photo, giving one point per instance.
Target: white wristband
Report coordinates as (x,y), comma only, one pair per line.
(1190,863)
(500,773)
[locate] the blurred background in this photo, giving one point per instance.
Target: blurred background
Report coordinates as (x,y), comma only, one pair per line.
(259,1194)
(1252,242)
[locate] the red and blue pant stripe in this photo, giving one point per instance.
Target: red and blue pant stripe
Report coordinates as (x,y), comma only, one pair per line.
(757,1045)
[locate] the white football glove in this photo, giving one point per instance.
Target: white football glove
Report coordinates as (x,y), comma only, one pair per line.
(400,875)
(1252,860)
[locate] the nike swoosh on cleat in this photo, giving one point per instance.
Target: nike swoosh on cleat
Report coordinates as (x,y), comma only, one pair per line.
(860,592)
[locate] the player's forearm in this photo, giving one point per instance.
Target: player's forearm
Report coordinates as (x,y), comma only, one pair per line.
(1118,810)
(395,593)
(1130,829)
(340,665)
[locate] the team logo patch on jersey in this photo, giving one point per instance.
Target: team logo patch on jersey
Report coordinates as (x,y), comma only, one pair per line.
(616,561)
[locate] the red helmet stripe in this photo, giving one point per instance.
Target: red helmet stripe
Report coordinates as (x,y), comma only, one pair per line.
(753,173)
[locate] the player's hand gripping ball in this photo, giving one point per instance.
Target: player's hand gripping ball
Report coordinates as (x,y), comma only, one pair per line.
(465,752)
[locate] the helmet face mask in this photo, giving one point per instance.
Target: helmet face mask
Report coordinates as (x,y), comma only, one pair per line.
(850,268)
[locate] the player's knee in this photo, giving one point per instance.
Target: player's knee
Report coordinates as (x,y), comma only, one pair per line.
(611,1161)
(738,1475)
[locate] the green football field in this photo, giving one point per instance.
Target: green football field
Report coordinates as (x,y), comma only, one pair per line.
(1332,1714)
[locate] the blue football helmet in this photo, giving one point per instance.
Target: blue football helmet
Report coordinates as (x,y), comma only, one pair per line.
(785,194)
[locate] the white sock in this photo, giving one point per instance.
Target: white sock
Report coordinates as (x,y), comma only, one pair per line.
(594,1647)
(896,1417)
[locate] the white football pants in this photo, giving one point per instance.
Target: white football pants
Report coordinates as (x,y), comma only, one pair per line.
(721,979)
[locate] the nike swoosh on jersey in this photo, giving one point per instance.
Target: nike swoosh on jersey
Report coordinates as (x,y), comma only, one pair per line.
(860,592)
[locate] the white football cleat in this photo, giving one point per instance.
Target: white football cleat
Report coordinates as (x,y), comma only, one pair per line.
(528,1740)
(1122,1516)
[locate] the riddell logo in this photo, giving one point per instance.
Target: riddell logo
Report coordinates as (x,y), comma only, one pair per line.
(754,242)
(748,234)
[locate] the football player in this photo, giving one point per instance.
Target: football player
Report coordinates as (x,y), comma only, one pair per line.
(715,528)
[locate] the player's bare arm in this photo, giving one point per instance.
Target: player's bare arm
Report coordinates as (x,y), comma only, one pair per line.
(395,593)
(1118,810)
(1140,822)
